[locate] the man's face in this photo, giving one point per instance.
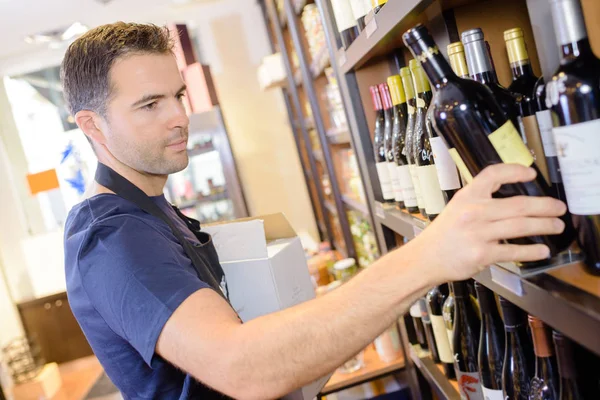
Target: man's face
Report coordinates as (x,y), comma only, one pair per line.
(146,123)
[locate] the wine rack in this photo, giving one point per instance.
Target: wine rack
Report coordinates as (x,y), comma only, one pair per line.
(564,296)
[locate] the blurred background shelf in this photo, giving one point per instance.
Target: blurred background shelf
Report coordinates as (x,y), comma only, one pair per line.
(355,205)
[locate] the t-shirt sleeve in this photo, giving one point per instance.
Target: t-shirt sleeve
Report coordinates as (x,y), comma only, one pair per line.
(135,279)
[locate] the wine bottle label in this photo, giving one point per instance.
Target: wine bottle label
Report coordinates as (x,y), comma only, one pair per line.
(446,169)
(491,394)
(534,142)
(544,119)
(385,180)
(359,8)
(392,167)
(415,179)
(450,333)
(469,386)
(510,146)
(441,339)
(430,189)
(577,147)
(344,17)
(420,103)
(406,185)
(460,164)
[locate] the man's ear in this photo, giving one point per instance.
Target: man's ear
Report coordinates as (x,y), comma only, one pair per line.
(90,123)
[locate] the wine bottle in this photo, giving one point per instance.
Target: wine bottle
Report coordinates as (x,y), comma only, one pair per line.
(491,344)
(379,146)
(435,303)
(574,98)
(411,101)
(544,120)
(448,314)
(378,4)
(359,10)
(415,313)
(476,129)
(523,83)
(569,387)
(456,55)
(432,194)
(544,385)
(482,70)
(465,344)
(519,364)
(407,190)
(387,140)
(345,21)
(429,335)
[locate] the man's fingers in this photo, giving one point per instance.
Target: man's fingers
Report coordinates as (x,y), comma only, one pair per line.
(525,226)
(524,206)
(491,178)
(515,252)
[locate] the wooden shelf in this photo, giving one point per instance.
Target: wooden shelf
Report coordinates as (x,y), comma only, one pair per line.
(330,207)
(355,205)
(338,136)
(566,297)
(433,373)
(383,32)
(320,62)
(208,199)
(298,77)
(373,368)
(318,155)
(197,152)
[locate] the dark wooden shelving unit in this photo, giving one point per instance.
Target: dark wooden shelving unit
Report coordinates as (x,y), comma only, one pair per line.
(564,296)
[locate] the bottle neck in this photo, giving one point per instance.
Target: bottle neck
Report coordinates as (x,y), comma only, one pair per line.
(569,25)
(575,49)
(521,69)
(479,62)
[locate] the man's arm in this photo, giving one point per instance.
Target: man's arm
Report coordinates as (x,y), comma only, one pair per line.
(275,354)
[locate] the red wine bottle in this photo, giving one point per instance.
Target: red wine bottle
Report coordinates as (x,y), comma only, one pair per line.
(406,191)
(400,150)
(345,21)
(573,95)
(466,343)
(524,83)
(388,109)
(491,344)
(432,194)
(569,387)
(415,313)
(429,335)
(435,303)
(519,363)
(411,101)
(477,131)
(448,314)
(544,385)
(379,147)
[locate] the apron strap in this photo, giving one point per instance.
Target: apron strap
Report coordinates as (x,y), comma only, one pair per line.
(110,179)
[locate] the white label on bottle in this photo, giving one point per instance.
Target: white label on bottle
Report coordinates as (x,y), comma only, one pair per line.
(450,333)
(441,338)
(491,394)
(415,179)
(385,180)
(469,386)
(446,168)
(408,190)
(371,28)
(344,17)
(544,119)
(395,181)
(577,147)
(358,8)
(430,189)
(415,310)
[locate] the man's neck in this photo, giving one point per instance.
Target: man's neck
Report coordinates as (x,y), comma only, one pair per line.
(152,185)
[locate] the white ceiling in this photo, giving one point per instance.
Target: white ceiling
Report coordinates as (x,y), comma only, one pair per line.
(19,18)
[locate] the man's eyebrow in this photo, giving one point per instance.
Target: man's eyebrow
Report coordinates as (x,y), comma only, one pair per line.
(150,97)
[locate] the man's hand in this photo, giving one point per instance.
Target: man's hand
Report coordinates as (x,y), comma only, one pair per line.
(466,237)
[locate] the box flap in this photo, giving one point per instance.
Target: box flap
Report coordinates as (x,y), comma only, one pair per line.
(276,225)
(239,240)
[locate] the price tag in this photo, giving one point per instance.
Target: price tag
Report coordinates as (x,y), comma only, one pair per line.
(507,280)
(371,28)
(379,211)
(342,60)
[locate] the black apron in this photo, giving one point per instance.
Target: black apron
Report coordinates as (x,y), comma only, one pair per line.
(203,254)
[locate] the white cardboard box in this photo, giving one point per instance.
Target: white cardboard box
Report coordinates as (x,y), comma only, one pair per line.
(266,271)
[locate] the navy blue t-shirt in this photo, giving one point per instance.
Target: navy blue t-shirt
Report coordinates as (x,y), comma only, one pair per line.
(126,275)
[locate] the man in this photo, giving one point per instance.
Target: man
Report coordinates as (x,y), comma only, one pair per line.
(159,330)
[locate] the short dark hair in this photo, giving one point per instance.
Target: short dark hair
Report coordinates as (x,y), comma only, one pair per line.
(85,70)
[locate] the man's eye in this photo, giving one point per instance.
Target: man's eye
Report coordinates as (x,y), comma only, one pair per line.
(180,96)
(150,106)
